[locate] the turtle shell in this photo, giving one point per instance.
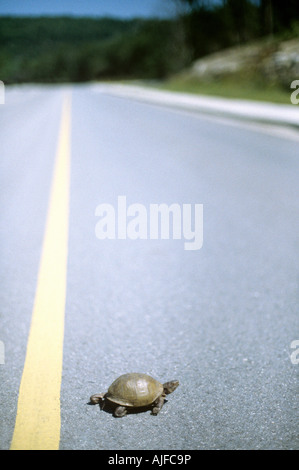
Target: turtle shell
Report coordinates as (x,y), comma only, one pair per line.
(134,390)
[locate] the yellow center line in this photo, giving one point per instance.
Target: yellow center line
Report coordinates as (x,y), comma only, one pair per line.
(37,424)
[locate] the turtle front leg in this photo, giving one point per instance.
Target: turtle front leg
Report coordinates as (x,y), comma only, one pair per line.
(120,411)
(158,405)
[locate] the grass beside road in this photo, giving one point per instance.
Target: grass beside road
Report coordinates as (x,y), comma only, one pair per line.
(230,87)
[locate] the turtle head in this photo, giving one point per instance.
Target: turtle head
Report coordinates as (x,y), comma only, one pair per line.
(97,398)
(170,387)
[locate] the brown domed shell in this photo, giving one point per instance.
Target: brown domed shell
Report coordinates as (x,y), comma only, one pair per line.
(134,390)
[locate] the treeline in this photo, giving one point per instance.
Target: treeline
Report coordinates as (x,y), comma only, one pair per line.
(62,49)
(210,26)
(49,49)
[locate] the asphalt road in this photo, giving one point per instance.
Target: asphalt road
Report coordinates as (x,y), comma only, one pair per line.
(220,319)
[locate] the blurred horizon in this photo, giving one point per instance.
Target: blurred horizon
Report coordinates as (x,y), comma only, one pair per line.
(154,41)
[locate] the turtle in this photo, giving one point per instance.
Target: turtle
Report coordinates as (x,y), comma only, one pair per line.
(135,390)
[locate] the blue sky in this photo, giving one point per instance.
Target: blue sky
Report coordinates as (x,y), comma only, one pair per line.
(119,8)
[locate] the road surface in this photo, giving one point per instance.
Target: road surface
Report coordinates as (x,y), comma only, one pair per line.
(221,319)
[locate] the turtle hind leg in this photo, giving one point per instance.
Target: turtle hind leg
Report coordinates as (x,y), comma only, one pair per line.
(120,411)
(158,405)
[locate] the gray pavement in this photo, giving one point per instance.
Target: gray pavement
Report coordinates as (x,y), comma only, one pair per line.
(244,110)
(220,319)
